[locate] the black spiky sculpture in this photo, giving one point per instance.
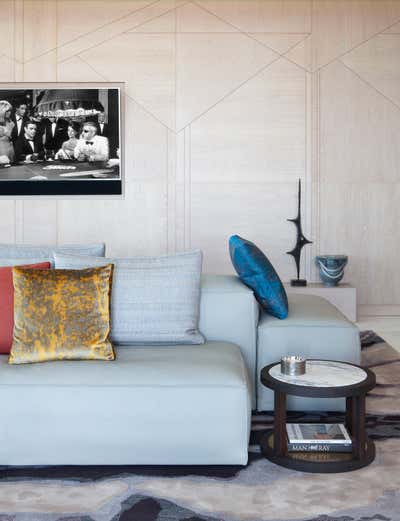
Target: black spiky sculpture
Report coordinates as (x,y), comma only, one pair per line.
(300,243)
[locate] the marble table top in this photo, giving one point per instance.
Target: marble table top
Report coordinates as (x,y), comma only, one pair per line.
(322,373)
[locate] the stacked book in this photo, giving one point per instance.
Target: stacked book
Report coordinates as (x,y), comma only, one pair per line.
(318,437)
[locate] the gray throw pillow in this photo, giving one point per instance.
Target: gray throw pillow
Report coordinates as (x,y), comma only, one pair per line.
(17,254)
(154,300)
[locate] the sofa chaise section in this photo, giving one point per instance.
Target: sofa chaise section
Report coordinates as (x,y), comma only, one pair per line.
(314,328)
(178,405)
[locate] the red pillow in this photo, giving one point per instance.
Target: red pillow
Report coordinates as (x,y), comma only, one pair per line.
(7,304)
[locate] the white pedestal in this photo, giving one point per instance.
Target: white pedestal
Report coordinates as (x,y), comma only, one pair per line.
(343,296)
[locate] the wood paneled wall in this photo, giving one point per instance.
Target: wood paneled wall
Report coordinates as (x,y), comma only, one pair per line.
(228,103)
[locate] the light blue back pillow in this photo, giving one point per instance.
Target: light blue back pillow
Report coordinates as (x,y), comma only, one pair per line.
(154,300)
(17,254)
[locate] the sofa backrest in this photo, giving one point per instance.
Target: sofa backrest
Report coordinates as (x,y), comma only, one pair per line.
(229,312)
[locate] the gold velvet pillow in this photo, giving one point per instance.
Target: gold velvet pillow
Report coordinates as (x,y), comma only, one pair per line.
(61,315)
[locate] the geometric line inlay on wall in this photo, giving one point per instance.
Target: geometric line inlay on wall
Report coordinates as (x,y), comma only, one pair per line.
(165,23)
(256,134)
(359,165)
(169,80)
(201,56)
(188,18)
(75,69)
(367,149)
(72,25)
(117,27)
(191,18)
(339,27)
(394,29)
(378,63)
(301,54)
(276,16)
(149,72)
(280,43)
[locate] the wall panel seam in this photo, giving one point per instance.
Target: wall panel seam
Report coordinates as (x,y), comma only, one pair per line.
(370,85)
(167,190)
(56,74)
(318,161)
(101,42)
(190,188)
(357,46)
(93,31)
(184,184)
(307,186)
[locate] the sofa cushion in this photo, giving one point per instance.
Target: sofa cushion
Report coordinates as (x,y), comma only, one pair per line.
(256,271)
(213,363)
(61,315)
(170,405)
(314,328)
(154,299)
(307,311)
(7,304)
(16,254)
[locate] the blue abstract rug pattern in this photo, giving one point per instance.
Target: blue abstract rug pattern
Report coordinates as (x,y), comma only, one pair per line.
(261,491)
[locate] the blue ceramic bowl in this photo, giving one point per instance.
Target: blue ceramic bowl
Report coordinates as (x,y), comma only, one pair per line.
(331,268)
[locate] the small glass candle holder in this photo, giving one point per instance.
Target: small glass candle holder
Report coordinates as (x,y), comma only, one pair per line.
(293,365)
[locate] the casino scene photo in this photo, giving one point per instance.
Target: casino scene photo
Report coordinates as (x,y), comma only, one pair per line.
(60,134)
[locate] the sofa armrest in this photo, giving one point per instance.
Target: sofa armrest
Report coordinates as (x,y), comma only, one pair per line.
(229,312)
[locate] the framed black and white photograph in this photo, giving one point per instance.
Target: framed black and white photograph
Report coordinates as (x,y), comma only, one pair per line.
(60,139)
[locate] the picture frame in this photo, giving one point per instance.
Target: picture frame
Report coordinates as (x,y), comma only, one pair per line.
(61,139)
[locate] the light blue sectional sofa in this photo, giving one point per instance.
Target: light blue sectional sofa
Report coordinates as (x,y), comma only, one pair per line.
(167,405)
(154,405)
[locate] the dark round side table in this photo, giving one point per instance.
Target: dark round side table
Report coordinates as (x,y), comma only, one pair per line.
(323,379)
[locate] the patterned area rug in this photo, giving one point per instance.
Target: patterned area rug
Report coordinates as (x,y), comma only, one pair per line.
(261,491)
